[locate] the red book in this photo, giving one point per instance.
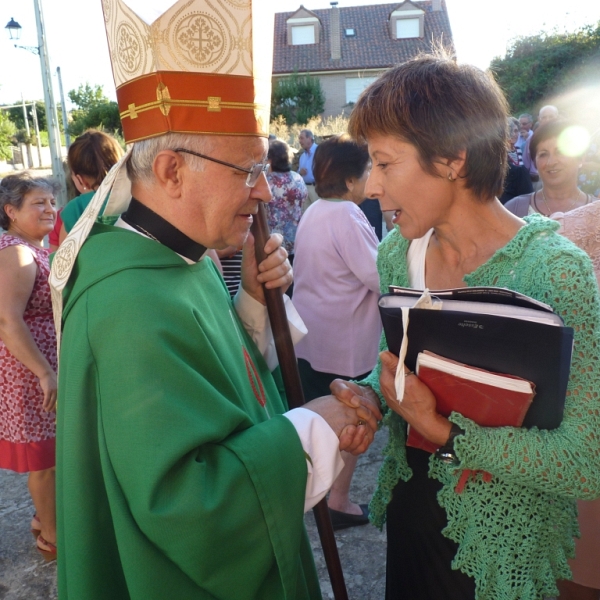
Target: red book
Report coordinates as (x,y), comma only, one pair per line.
(489,399)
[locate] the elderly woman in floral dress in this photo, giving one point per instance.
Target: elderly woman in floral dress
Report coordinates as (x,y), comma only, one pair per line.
(289,193)
(28,346)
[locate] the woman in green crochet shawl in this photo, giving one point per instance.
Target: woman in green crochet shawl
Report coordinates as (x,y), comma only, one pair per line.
(437,137)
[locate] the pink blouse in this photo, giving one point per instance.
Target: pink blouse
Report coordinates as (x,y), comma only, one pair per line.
(336,288)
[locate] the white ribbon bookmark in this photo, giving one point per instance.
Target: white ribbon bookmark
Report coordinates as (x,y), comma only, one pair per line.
(426,301)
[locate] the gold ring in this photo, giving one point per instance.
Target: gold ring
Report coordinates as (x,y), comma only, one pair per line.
(361,422)
(409,373)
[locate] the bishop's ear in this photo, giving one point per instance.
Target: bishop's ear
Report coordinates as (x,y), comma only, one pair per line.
(168,169)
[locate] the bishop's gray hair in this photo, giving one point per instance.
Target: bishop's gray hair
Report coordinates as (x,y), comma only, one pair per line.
(139,165)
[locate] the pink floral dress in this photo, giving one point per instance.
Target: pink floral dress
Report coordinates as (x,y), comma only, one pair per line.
(284,211)
(27,433)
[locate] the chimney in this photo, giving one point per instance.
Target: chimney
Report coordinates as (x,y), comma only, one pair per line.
(335,32)
(436,5)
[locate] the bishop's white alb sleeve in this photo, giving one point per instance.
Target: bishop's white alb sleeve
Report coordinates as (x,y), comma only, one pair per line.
(255,319)
(323,457)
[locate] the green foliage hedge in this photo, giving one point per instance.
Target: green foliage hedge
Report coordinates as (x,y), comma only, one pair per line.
(538,67)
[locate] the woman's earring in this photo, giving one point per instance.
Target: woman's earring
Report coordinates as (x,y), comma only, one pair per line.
(450,177)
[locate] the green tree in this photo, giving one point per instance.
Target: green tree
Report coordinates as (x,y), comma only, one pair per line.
(94,110)
(543,65)
(7,133)
(297,99)
(16,114)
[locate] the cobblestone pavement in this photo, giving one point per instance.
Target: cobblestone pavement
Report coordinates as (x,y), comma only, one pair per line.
(25,576)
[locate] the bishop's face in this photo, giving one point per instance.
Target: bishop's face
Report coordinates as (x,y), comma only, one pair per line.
(217,207)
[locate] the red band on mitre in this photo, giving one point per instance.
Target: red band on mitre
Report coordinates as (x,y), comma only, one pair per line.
(184,102)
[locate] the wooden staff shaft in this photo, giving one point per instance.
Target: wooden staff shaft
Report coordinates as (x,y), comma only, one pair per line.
(295,398)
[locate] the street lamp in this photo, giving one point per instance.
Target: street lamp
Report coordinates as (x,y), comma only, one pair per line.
(14,31)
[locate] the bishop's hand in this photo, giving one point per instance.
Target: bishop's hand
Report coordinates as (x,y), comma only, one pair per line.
(275,271)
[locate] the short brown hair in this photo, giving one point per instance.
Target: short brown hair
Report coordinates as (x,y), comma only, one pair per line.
(550,129)
(93,154)
(441,108)
(337,159)
(279,155)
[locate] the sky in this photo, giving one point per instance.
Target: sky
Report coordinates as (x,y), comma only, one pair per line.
(76,40)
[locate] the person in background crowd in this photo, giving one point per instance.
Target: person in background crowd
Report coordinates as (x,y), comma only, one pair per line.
(229,262)
(582,227)
(546,114)
(439,163)
(372,210)
(307,143)
(289,195)
(336,291)
(589,174)
(558,174)
(525,130)
(90,158)
(517,179)
(28,346)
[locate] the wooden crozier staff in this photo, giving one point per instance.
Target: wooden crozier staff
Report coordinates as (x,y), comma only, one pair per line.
(295,398)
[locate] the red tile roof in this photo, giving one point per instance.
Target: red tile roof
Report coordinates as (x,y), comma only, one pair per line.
(372,47)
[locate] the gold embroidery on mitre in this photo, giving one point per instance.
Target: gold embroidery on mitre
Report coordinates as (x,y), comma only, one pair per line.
(132,112)
(200,39)
(214,104)
(129,48)
(163,97)
(106,9)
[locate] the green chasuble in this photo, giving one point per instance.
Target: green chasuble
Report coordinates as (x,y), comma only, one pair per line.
(177,475)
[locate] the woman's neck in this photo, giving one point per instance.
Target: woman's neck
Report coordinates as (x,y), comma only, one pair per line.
(15,232)
(468,239)
(563,194)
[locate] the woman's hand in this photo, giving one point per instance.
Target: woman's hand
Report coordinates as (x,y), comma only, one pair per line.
(418,407)
(275,271)
(49,387)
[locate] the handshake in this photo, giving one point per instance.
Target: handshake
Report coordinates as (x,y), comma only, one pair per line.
(352,411)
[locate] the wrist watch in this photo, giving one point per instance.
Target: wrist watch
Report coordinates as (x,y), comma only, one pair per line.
(446,453)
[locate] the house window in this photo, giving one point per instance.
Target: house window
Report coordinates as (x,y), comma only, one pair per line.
(303,34)
(355,85)
(407,28)
(350,32)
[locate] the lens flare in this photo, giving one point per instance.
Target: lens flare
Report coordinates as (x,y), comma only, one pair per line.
(574,141)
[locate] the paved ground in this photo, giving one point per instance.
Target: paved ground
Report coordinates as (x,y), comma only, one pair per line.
(25,576)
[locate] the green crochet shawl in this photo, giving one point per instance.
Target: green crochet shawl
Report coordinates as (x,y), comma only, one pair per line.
(515,533)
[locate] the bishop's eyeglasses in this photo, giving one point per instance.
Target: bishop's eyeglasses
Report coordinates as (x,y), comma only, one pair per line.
(253,172)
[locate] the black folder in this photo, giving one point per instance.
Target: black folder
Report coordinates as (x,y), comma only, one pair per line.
(538,352)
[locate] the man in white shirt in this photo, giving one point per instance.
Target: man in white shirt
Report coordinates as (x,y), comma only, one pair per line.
(525,130)
(307,143)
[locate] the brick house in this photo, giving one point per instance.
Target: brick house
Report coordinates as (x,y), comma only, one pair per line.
(348,48)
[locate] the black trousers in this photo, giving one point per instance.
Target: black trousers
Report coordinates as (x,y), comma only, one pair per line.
(418,555)
(316,383)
